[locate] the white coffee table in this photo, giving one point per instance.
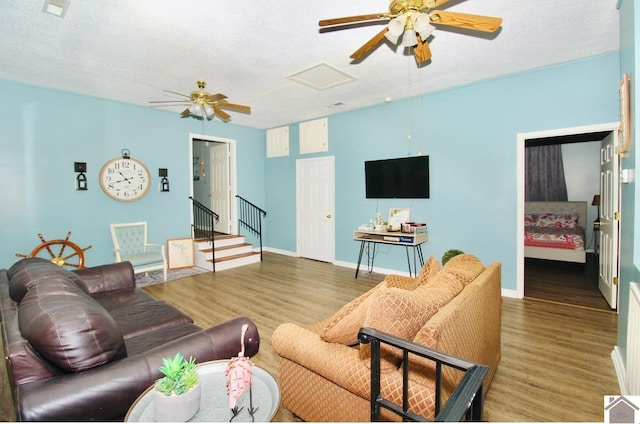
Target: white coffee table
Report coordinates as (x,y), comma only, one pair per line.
(214,400)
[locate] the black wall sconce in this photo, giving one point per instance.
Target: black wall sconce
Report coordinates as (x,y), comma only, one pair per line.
(164,182)
(81,179)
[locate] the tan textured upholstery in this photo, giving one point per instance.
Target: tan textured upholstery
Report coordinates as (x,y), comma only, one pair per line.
(429,269)
(323,381)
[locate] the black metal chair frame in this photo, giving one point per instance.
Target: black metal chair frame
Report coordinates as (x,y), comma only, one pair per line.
(465,401)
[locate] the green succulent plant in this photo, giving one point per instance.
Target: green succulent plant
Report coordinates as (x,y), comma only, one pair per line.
(450,254)
(180,375)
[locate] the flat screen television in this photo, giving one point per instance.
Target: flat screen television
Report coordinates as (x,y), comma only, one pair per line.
(401,178)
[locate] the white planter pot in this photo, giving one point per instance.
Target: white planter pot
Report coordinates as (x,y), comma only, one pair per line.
(179,408)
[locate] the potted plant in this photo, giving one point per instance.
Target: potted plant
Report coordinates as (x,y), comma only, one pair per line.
(450,254)
(177,393)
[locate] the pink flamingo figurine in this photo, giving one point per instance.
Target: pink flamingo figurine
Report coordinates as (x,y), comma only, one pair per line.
(239,378)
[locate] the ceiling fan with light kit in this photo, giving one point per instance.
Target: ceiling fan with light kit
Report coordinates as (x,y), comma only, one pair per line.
(202,104)
(413,21)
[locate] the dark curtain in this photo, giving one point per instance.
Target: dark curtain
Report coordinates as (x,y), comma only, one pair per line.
(544,179)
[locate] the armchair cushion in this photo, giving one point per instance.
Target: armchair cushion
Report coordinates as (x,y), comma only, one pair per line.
(69,328)
(143,258)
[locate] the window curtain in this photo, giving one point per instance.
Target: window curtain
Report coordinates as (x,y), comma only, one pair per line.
(544,180)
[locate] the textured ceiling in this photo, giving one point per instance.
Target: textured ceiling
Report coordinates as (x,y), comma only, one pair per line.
(131,50)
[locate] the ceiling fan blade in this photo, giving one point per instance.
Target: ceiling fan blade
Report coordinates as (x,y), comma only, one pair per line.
(464,20)
(233,106)
(436,3)
(373,42)
(185,112)
(353,19)
(221,113)
(216,97)
(179,94)
(177,102)
(421,51)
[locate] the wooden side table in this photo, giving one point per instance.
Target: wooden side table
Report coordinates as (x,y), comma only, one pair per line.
(214,400)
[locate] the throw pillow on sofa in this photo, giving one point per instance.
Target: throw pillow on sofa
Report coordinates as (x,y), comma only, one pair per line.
(464,267)
(29,271)
(345,324)
(68,327)
(429,269)
(402,313)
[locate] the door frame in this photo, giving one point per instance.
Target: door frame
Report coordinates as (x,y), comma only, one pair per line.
(233,180)
(520,183)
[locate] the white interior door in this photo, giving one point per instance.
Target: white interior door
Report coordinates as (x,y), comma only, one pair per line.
(315,199)
(609,219)
(219,182)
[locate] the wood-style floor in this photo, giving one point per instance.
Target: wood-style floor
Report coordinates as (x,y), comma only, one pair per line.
(555,366)
(565,282)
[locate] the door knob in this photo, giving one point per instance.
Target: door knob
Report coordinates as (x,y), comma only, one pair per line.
(329,216)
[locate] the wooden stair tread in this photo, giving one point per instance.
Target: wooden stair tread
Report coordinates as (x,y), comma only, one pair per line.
(238,256)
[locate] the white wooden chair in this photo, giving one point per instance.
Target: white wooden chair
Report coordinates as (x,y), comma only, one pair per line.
(130,244)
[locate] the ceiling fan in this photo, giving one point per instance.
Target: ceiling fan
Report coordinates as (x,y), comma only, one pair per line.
(414,21)
(201,103)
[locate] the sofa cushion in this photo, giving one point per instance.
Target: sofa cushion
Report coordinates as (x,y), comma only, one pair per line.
(67,327)
(464,267)
(27,272)
(139,318)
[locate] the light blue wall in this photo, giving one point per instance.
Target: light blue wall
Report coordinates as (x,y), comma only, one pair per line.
(470,134)
(43,132)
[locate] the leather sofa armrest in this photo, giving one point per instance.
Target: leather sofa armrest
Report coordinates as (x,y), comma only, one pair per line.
(103,278)
(107,392)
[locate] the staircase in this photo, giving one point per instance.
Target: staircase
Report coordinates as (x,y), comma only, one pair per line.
(230,252)
(218,252)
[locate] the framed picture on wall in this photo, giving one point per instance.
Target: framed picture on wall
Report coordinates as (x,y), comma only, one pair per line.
(180,253)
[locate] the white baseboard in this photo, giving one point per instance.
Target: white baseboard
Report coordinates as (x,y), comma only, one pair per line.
(618,364)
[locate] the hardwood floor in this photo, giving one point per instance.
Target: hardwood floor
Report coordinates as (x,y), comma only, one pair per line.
(555,365)
(565,282)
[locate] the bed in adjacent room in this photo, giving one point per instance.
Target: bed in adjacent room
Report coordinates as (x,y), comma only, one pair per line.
(555,231)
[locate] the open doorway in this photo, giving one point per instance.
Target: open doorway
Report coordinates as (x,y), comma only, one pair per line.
(557,280)
(213,179)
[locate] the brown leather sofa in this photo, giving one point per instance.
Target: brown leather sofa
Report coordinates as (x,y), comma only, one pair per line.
(83,345)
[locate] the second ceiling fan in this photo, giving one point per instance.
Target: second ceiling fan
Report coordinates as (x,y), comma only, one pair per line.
(202,104)
(413,21)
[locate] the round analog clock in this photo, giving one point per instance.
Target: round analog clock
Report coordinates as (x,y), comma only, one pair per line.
(124,178)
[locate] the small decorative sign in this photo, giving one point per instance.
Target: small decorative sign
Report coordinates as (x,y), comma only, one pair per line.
(180,253)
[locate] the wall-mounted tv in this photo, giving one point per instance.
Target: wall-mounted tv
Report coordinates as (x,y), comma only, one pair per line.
(401,178)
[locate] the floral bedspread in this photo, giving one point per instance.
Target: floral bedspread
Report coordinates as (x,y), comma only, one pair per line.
(556,237)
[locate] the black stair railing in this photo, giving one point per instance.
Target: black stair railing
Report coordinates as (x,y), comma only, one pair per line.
(464,404)
(203,227)
(250,217)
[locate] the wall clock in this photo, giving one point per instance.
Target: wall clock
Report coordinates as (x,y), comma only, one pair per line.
(625,117)
(124,178)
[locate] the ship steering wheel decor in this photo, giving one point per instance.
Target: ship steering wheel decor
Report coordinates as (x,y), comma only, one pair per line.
(59,258)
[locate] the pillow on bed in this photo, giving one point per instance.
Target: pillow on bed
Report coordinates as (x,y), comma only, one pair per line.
(530,219)
(558,219)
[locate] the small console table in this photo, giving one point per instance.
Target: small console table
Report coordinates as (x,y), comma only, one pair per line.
(369,238)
